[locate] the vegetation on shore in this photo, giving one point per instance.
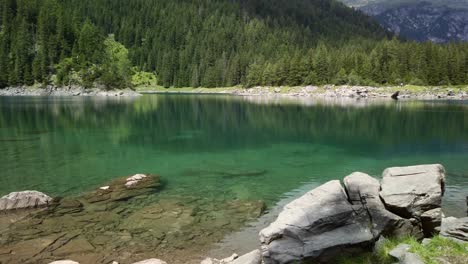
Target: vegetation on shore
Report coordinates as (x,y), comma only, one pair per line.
(439,249)
(201,43)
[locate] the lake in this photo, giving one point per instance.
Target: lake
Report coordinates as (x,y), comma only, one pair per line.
(214,145)
(215,149)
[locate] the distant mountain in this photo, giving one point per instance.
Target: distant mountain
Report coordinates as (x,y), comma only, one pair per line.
(430,20)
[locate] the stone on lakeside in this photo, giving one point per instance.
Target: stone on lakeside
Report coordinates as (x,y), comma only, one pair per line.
(24,200)
(411,191)
(316,226)
(151,261)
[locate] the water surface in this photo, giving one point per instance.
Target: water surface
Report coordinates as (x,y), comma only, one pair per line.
(223,146)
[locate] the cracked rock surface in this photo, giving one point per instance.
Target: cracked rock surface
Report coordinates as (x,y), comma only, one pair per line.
(331,220)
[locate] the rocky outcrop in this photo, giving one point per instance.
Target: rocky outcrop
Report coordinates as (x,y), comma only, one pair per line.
(24,200)
(331,220)
(316,226)
(455,228)
(415,192)
(363,192)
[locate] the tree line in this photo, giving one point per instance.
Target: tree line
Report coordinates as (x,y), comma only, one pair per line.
(211,43)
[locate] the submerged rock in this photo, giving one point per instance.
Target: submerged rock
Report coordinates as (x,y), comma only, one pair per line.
(125,188)
(24,200)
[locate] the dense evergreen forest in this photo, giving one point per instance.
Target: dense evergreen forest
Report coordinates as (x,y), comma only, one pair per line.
(211,43)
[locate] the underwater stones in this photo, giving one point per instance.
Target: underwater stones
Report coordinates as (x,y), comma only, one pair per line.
(77,245)
(24,200)
(125,188)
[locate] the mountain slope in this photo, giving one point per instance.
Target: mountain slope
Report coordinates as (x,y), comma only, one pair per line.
(210,43)
(186,42)
(429,20)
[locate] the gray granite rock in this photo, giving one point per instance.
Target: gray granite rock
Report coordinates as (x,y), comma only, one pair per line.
(363,191)
(455,228)
(24,200)
(399,251)
(411,191)
(316,226)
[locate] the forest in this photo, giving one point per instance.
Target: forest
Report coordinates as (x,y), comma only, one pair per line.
(212,43)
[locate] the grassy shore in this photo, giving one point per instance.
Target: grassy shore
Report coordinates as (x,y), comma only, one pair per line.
(439,250)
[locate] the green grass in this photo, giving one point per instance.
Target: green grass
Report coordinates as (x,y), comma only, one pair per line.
(436,252)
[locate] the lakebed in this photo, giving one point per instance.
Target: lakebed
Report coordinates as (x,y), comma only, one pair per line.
(217,156)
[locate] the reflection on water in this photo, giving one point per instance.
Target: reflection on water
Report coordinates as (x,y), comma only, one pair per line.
(224,146)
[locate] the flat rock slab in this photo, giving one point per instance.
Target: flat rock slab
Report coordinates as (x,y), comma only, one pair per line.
(78,245)
(411,191)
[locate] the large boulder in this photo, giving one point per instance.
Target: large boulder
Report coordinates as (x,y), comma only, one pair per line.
(316,226)
(411,191)
(415,192)
(363,191)
(24,200)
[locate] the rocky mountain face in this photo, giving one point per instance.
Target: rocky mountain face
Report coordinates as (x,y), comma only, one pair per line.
(432,20)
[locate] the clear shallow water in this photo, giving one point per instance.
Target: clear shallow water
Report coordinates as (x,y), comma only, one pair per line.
(224,147)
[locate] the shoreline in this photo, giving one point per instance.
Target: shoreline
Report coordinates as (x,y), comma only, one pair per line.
(302,92)
(327,92)
(74,91)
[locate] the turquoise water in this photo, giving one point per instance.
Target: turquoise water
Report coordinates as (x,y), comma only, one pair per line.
(222,146)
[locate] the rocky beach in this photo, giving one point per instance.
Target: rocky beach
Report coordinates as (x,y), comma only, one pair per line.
(322,92)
